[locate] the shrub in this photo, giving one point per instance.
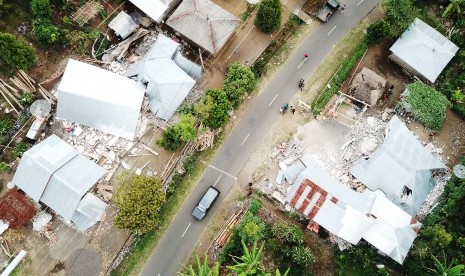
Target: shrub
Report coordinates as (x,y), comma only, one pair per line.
(81,41)
(302,256)
(19,149)
(288,234)
(27,98)
(5,126)
(260,67)
(251,229)
(139,201)
(269,15)
(182,131)
(428,105)
(45,33)
(41,9)
(255,206)
(438,236)
(377,31)
(213,109)
(15,52)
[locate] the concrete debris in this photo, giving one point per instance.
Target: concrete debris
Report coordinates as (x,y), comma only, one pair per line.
(40,220)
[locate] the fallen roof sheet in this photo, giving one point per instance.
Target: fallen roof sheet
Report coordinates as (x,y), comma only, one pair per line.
(424,49)
(203,22)
(100,99)
(88,212)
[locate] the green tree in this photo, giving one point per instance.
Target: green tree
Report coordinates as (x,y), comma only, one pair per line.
(443,269)
(139,200)
(438,236)
(250,263)
(45,33)
(15,52)
(302,256)
(400,14)
(41,9)
(182,131)
(251,229)
(377,31)
(269,15)
(202,268)
(239,81)
(455,7)
(213,109)
(428,105)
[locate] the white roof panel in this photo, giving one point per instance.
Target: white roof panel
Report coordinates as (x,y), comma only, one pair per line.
(123,24)
(100,99)
(153,8)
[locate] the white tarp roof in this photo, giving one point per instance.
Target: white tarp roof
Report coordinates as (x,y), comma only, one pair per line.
(389,229)
(54,173)
(100,99)
(424,49)
(153,8)
(123,24)
(203,22)
(401,161)
(88,212)
(167,83)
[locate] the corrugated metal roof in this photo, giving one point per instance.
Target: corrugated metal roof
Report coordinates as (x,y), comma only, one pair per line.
(168,84)
(203,22)
(123,24)
(153,8)
(98,98)
(53,173)
(424,49)
(401,161)
(88,212)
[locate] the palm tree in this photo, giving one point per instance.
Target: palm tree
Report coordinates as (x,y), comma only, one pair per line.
(454,7)
(203,269)
(250,263)
(442,269)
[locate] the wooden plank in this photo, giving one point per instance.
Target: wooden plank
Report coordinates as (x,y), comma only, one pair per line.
(1,91)
(15,91)
(149,149)
(105,187)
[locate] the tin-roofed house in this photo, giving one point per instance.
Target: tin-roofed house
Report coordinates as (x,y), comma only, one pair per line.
(55,174)
(423,51)
(204,23)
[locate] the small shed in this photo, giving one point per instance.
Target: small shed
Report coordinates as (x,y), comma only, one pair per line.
(204,23)
(123,25)
(423,51)
(100,99)
(54,173)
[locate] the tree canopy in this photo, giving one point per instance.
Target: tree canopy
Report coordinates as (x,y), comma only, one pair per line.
(269,15)
(239,81)
(377,31)
(139,200)
(213,109)
(400,14)
(182,131)
(41,9)
(16,52)
(428,105)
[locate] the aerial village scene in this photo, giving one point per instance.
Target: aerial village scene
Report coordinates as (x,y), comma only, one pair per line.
(232,137)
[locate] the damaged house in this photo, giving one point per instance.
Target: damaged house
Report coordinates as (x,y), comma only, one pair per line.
(400,167)
(100,99)
(351,215)
(168,76)
(55,174)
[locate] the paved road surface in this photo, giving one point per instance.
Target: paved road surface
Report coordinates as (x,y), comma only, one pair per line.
(179,240)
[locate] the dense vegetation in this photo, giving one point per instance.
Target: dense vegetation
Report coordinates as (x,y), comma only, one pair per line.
(269,15)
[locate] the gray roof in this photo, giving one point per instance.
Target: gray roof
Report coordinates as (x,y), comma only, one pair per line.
(123,24)
(168,74)
(54,173)
(424,49)
(400,161)
(100,99)
(203,22)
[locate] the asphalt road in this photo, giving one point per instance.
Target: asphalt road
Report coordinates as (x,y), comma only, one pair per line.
(179,240)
